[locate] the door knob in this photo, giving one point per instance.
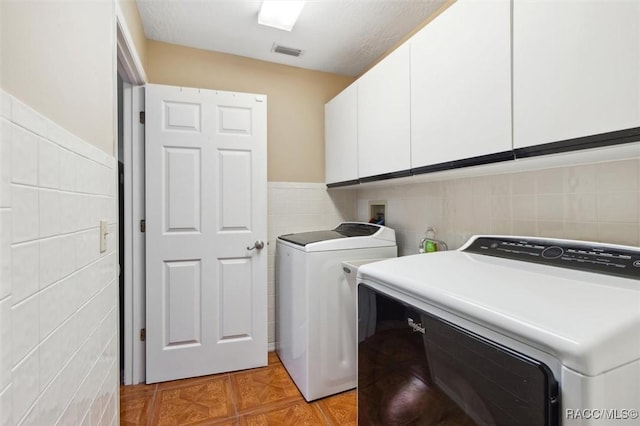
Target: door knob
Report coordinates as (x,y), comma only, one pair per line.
(258,245)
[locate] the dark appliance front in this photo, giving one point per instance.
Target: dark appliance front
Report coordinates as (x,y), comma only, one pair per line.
(417,369)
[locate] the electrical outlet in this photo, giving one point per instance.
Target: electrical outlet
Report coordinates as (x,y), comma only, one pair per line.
(104,231)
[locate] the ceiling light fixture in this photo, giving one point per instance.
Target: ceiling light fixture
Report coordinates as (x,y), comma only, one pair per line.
(280,14)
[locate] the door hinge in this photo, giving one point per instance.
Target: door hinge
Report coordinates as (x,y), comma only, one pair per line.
(143,334)
(143,226)
(141,117)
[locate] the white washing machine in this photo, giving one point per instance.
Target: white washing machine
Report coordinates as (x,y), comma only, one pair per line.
(316,334)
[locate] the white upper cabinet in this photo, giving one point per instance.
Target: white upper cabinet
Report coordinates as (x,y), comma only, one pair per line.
(461,83)
(383,116)
(341,136)
(576,69)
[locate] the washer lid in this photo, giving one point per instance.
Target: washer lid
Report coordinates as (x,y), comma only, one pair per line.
(589,321)
(344,230)
(304,238)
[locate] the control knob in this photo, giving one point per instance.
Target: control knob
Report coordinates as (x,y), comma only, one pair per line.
(552,252)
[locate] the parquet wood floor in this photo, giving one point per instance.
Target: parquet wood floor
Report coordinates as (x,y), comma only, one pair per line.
(260,396)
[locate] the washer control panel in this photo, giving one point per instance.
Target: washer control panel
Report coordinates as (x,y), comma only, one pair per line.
(567,254)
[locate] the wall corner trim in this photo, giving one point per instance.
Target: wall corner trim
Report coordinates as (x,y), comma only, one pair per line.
(129,62)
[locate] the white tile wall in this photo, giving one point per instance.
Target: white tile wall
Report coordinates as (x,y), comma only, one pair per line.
(58,295)
(25,213)
(5,162)
(25,277)
(300,207)
(24,156)
(6,350)
(6,407)
(597,202)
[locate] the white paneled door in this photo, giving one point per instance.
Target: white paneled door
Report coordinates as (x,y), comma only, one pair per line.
(206,189)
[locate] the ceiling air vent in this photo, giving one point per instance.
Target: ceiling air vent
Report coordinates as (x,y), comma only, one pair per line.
(286,50)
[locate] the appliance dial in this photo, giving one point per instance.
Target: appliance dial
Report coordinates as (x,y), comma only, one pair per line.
(552,252)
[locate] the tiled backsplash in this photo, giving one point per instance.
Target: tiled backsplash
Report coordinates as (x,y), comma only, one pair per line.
(58,293)
(300,207)
(596,202)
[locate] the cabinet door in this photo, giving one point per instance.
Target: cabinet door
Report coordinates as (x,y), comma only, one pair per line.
(576,69)
(383,116)
(341,136)
(461,84)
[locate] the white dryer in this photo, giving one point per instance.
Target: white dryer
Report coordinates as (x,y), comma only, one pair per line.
(316,310)
(504,331)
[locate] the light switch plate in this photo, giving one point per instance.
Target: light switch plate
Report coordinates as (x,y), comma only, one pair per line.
(104,230)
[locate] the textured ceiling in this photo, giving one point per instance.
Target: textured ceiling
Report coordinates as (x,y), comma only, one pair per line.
(337,36)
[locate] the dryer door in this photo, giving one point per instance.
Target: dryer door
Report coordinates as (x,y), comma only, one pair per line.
(415,368)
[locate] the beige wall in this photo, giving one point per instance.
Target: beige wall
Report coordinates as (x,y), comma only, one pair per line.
(134,25)
(58,58)
(296,99)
